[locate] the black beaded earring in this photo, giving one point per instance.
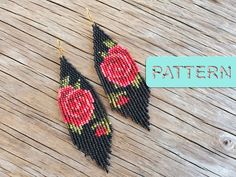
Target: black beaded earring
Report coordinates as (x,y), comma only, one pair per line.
(126,89)
(84,114)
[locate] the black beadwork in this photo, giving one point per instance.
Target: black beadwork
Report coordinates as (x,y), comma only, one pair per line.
(98,148)
(139,97)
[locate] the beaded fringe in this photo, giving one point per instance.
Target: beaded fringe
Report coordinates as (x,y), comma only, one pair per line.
(84,114)
(126,89)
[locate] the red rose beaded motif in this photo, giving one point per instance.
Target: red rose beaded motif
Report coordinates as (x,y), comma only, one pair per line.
(85,117)
(76,105)
(127,91)
(119,67)
(122,100)
(101,130)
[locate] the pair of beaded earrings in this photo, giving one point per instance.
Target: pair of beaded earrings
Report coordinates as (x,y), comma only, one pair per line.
(82,110)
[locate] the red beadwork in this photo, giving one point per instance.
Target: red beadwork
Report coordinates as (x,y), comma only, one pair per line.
(100,130)
(76,105)
(122,100)
(119,67)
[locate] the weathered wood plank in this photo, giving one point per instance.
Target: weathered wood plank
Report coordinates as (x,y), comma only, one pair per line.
(193,131)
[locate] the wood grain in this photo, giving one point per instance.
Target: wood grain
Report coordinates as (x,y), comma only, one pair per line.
(193,131)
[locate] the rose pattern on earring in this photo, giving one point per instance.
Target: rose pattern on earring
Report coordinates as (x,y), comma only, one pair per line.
(122,100)
(76,104)
(119,74)
(101,130)
(84,115)
(119,67)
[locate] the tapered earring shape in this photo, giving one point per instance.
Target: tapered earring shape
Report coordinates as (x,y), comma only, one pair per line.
(126,89)
(84,115)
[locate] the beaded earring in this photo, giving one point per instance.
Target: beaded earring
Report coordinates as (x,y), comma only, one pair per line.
(84,114)
(126,89)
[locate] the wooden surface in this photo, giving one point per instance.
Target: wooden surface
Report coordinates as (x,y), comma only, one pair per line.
(193,131)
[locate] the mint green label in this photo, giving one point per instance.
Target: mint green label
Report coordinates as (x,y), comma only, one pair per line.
(191,71)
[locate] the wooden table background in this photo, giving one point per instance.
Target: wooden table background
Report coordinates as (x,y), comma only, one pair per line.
(193,131)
